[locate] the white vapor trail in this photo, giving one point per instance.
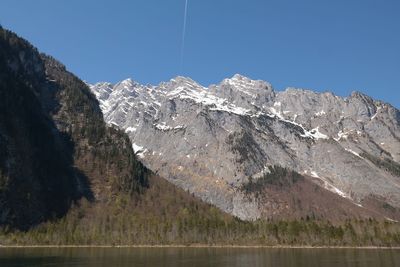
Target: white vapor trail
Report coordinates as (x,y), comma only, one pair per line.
(183,34)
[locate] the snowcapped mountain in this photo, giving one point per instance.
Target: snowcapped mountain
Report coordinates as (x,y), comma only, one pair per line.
(212,141)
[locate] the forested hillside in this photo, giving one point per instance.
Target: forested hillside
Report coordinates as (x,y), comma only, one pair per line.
(166,215)
(55,146)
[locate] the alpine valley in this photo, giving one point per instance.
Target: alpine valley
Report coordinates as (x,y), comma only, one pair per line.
(236,163)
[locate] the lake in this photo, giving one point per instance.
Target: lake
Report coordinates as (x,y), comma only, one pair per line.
(194,257)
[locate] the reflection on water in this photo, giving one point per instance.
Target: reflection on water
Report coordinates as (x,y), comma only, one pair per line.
(194,257)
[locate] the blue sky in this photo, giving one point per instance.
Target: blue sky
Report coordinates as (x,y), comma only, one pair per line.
(339,45)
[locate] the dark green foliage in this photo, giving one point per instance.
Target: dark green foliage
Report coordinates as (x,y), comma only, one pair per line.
(244,145)
(108,149)
(385,163)
(54,145)
(165,215)
(276,176)
(389,207)
(37,181)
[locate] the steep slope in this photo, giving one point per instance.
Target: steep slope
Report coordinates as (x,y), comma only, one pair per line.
(55,146)
(211,141)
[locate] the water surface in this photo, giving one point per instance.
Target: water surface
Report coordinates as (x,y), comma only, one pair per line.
(194,257)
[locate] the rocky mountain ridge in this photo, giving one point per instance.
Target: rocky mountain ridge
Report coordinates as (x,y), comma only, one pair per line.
(211,141)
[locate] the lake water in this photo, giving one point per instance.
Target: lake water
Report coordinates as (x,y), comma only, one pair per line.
(194,257)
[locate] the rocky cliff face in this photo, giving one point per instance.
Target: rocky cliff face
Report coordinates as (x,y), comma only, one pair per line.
(211,141)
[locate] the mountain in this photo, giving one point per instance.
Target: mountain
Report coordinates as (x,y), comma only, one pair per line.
(66,178)
(55,148)
(258,153)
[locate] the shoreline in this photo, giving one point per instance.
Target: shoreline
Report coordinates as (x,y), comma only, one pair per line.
(196,246)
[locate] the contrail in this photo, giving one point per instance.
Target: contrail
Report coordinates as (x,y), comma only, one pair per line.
(183,34)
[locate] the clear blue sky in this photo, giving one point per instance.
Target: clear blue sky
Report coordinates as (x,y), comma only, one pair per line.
(340,45)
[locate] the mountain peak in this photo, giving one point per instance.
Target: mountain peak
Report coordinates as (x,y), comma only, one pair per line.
(183,79)
(358,94)
(128,82)
(180,81)
(239,81)
(238,76)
